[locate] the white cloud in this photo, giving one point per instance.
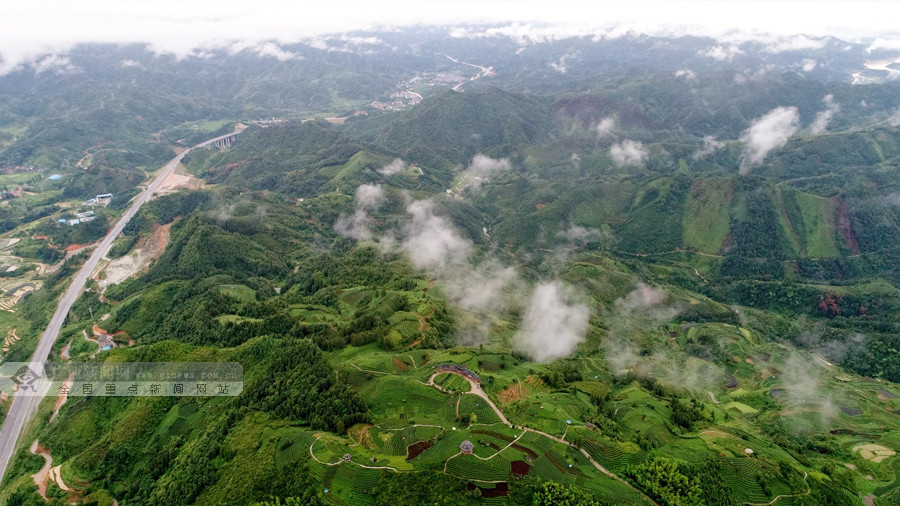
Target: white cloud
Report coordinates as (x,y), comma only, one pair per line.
(57,64)
(560,65)
(483,167)
(892,43)
(475,283)
(579,234)
(605,128)
(753,75)
(369,197)
(710,146)
(129,63)
(628,152)
(686,73)
(894,120)
(432,241)
(640,311)
(395,167)
(29,30)
(808,64)
(769,132)
(721,53)
(796,43)
(273,50)
(824,117)
(555,322)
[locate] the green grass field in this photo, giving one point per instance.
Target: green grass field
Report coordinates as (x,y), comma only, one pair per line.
(452,382)
(706,214)
(818,221)
(240,292)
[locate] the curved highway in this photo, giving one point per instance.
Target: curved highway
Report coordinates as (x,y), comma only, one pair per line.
(24,406)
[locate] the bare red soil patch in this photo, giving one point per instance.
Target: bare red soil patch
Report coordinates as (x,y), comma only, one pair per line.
(519,467)
(528,451)
(846,228)
(399,364)
(515,392)
(75,247)
(499,490)
(416,449)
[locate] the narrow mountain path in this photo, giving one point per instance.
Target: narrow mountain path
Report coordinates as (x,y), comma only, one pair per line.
(476,390)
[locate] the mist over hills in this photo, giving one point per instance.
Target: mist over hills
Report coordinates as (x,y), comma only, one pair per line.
(670,262)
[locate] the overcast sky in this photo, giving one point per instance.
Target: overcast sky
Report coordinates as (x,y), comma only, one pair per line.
(32,28)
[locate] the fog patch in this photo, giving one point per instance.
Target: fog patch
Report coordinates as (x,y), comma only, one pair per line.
(369,197)
(710,146)
(560,65)
(482,168)
(605,128)
(642,310)
(395,167)
(628,152)
(721,53)
(824,117)
(802,379)
(431,240)
(894,120)
(767,133)
(555,322)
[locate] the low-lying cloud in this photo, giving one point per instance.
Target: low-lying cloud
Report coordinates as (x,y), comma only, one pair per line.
(721,53)
(605,128)
(710,146)
(369,197)
(628,152)
(802,379)
(431,240)
(644,308)
(824,117)
(56,64)
(555,319)
(894,120)
(482,168)
(768,132)
(555,322)
(395,167)
(560,65)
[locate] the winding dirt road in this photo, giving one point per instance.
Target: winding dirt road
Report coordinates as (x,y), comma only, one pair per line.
(476,390)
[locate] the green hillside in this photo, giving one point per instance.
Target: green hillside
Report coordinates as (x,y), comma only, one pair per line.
(575,287)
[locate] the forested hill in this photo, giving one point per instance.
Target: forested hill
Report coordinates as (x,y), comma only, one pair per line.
(599,271)
(452,127)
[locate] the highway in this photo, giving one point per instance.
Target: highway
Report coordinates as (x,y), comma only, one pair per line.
(24,406)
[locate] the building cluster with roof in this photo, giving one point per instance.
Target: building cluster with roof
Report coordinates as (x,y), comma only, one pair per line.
(100,200)
(79,218)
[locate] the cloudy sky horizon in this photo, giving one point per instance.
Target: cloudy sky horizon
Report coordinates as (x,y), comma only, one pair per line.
(30,31)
